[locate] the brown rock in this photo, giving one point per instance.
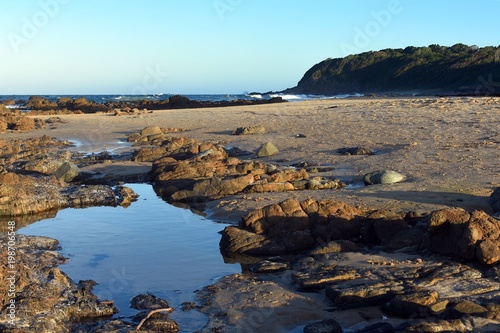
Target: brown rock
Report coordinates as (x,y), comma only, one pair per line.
(488,251)
(415,304)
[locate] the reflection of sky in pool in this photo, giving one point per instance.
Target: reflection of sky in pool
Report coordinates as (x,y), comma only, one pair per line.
(150,246)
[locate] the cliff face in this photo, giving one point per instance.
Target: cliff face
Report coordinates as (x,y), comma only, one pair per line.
(459,69)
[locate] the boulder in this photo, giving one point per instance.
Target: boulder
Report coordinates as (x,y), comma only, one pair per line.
(267,149)
(465,308)
(45,166)
(418,303)
(67,172)
(250,130)
(383,177)
(455,232)
(297,226)
(148,302)
(324,326)
(355,151)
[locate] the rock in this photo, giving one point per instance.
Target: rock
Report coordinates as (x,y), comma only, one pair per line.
(324,326)
(267,266)
(270,187)
(241,241)
(24,195)
(335,247)
(40,285)
(383,177)
(151,130)
(494,200)
(125,196)
(455,232)
(67,172)
(415,304)
(267,149)
(377,328)
(429,325)
(148,302)
(236,152)
(355,151)
(465,308)
(213,188)
(488,251)
(292,226)
(45,166)
(24,124)
(364,293)
(322,276)
(410,239)
(250,130)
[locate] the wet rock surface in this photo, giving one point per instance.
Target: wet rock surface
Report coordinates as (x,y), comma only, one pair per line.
(186,170)
(41,286)
(427,286)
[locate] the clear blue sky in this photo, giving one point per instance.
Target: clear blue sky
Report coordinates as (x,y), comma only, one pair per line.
(213,46)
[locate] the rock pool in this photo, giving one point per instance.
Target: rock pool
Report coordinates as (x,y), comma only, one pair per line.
(150,246)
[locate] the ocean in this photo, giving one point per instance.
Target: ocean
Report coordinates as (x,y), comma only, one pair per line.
(159,97)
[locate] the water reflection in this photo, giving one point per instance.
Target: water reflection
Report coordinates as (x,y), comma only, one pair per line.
(149,247)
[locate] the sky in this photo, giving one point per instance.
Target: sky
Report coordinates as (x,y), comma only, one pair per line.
(213,46)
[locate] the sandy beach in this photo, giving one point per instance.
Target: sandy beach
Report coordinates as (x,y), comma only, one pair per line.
(446,147)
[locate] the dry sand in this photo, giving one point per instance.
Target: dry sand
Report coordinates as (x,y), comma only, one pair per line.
(447,147)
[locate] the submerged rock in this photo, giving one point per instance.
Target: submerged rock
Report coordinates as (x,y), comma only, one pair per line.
(40,285)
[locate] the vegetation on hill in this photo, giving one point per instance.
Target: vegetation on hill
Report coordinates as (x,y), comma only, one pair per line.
(459,69)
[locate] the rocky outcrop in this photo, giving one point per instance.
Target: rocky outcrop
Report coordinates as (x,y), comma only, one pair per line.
(470,236)
(292,226)
(24,195)
(82,105)
(191,171)
(40,285)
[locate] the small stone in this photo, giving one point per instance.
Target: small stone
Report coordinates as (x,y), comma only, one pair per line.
(67,172)
(151,130)
(267,149)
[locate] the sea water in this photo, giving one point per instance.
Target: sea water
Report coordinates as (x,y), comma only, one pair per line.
(161,97)
(150,246)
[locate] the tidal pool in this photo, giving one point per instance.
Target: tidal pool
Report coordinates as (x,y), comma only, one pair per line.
(150,246)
